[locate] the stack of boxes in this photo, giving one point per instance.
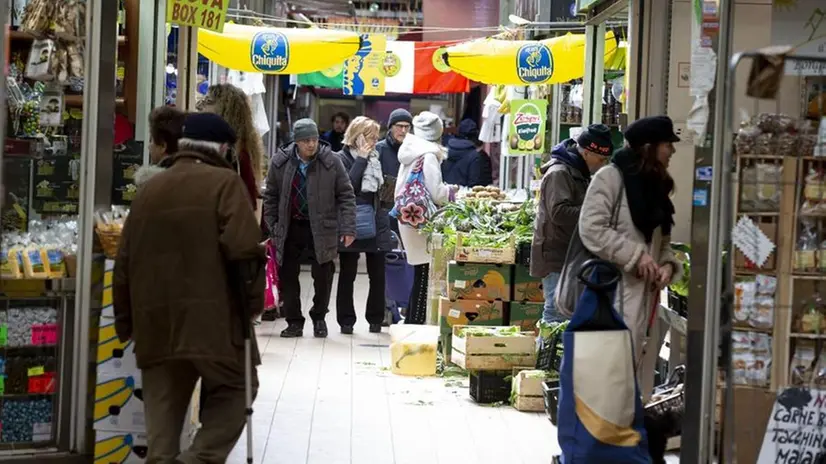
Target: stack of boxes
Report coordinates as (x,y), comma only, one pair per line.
(491,294)
(119,419)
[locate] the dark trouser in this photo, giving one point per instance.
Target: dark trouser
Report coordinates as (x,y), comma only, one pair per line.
(299,243)
(348,267)
(417,306)
(167,390)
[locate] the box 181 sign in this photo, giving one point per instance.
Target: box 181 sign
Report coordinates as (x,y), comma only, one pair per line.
(204,14)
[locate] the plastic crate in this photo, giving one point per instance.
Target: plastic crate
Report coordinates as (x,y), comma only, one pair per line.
(550,390)
(523,254)
(490,386)
(678,303)
(548,357)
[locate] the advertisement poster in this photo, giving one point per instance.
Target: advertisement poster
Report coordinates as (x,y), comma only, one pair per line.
(526,131)
(203,14)
(364,73)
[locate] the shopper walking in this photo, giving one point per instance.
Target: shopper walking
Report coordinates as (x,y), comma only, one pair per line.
(309,208)
(564,182)
(335,136)
(463,165)
(421,148)
(637,240)
(247,155)
(398,126)
(173,293)
(372,227)
(166,124)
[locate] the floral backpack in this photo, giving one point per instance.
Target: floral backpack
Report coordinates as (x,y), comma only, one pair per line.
(413,206)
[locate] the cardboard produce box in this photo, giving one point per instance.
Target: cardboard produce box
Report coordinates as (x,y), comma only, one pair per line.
(114,358)
(121,447)
(525,287)
(469,312)
(119,404)
(525,315)
(492,351)
(476,281)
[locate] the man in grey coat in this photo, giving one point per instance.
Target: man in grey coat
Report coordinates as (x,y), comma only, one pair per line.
(309,207)
(564,182)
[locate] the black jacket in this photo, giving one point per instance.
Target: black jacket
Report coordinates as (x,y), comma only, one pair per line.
(355,167)
(462,166)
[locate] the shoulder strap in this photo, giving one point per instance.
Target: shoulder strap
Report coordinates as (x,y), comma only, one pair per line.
(617,203)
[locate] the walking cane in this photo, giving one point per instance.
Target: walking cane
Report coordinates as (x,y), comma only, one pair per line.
(248,274)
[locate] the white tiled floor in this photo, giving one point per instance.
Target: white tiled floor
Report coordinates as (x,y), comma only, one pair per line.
(334,401)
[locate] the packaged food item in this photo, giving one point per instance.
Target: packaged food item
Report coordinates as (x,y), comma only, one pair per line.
(814,192)
(42,57)
(802,365)
(746,139)
(769,177)
(757,369)
(9,265)
(54,260)
(786,144)
(740,367)
(740,341)
(765,284)
(35,263)
(762,315)
(748,188)
(744,296)
(805,254)
(764,144)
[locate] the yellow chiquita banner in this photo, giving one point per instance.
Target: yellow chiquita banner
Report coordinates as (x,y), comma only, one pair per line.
(524,62)
(277,51)
(364,73)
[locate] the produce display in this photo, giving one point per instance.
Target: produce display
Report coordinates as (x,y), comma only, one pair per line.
(41,252)
(484,223)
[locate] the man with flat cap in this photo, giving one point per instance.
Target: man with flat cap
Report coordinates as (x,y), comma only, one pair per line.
(564,182)
(175,294)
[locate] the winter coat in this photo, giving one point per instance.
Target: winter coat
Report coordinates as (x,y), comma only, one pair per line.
(332,204)
(172,291)
(485,168)
(623,246)
(564,182)
(462,166)
(355,166)
(414,147)
(334,139)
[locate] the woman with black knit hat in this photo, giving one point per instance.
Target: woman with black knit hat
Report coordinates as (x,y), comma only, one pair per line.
(638,239)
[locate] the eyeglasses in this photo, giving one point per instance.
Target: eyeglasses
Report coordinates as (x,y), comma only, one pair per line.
(402,126)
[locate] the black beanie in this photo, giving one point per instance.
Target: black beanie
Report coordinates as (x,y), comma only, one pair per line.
(399,115)
(596,138)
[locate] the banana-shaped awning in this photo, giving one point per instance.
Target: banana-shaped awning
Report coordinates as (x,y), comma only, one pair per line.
(524,62)
(277,51)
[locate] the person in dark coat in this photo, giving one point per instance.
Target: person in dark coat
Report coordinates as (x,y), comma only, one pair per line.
(398,126)
(309,207)
(335,135)
(565,180)
(362,163)
(463,164)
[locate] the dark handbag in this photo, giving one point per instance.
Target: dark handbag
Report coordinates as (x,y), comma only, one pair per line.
(365,222)
(570,287)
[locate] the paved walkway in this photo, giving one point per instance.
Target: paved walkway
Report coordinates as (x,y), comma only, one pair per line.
(334,401)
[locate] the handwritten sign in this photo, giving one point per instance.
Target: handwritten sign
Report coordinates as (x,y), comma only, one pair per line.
(797,428)
(204,14)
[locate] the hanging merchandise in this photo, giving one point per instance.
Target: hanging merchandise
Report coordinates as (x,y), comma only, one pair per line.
(526,127)
(253,85)
(277,51)
(490,115)
(524,62)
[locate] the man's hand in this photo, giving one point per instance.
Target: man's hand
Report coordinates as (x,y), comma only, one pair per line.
(347,240)
(664,275)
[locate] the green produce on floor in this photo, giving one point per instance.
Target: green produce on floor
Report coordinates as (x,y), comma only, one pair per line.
(471,281)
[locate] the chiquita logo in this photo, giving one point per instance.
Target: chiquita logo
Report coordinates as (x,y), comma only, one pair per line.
(270,51)
(534,63)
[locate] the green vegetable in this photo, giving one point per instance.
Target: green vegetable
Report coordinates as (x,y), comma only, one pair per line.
(484,224)
(682,252)
(474,331)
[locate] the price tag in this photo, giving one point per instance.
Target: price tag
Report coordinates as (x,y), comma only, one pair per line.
(4,335)
(38,370)
(454,313)
(37,334)
(2,385)
(459,284)
(50,332)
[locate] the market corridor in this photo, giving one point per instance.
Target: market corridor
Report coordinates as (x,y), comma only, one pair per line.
(334,401)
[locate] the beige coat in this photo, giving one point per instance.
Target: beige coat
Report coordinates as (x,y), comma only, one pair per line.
(624,246)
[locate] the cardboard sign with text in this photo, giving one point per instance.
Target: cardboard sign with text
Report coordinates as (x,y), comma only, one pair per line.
(797,428)
(203,14)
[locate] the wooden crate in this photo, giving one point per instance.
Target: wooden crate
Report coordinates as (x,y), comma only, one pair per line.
(527,390)
(492,352)
(485,255)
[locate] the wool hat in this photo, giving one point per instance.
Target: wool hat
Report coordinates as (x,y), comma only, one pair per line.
(208,127)
(468,130)
(399,115)
(304,129)
(428,126)
(653,129)
(596,138)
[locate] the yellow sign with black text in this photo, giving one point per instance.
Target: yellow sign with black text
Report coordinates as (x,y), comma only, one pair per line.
(203,14)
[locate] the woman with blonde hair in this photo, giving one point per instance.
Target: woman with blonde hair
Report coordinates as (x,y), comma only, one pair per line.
(361,160)
(232,104)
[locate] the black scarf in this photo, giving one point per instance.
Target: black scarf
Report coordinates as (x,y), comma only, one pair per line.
(648,194)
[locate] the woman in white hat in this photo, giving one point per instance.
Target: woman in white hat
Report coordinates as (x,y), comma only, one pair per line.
(420,152)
